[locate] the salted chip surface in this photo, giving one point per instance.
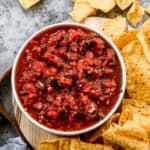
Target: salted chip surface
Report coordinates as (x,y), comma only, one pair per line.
(143,121)
(28,3)
(135,13)
(103,5)
(138,106)
(81,11)
(123,4)
(138,71)
(147,10)
(114,27)
(125,38)
(131,54)
(137,111)
(144,37)
(130,136)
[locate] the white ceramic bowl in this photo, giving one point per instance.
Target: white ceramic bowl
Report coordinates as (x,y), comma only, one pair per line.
(70,133)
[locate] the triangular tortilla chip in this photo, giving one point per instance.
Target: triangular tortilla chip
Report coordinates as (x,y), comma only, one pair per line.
(138,72)
(103,5)
(135,13)
(81,11)
(114,27)
(28,3)
(137,111)
(125,38)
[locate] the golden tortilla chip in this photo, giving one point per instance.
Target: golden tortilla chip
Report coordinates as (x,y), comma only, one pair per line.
(28,3)
(71,144)
(123,4)
(103,5)
(147,10)
(138,106)
(126,114)
(49,145)
(138,72)
(81,11)
(114,27)
(130,136)
(143,121)
(137,111)
(131,54)
(89,146)
(75,144)
(125,38)
(64,144)
(98,133)
(135,13)
(144,38)
(96,22)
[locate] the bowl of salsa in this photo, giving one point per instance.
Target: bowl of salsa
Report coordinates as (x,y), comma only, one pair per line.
(68,79)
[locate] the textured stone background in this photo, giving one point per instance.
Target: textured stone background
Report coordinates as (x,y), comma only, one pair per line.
(16,25)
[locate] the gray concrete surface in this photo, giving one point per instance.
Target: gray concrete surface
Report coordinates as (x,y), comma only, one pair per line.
(16,25)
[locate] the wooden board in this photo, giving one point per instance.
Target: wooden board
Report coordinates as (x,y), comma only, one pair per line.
(32,133)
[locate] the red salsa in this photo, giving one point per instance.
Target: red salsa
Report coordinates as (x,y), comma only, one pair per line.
(68,78)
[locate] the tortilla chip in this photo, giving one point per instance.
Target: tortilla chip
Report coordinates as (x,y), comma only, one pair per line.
(75,144)
(130,136)
(137,111)
(123,4)
(126,114)
(138,72)
(138,106)
(147,10)
(64,144)
(98,133)
(143,121)
(81,11)
(125,38)
(138,82)
(114,27)
(71,144)
(89,146)
(28,3)
(135,13)
(131,54)
(103,5)
(96,22)
(144,38)
(49,145)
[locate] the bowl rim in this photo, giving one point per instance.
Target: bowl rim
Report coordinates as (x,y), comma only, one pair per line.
(100,122)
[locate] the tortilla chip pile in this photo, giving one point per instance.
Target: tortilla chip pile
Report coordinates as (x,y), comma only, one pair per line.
(84,8)
(129,128)
(71,144)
